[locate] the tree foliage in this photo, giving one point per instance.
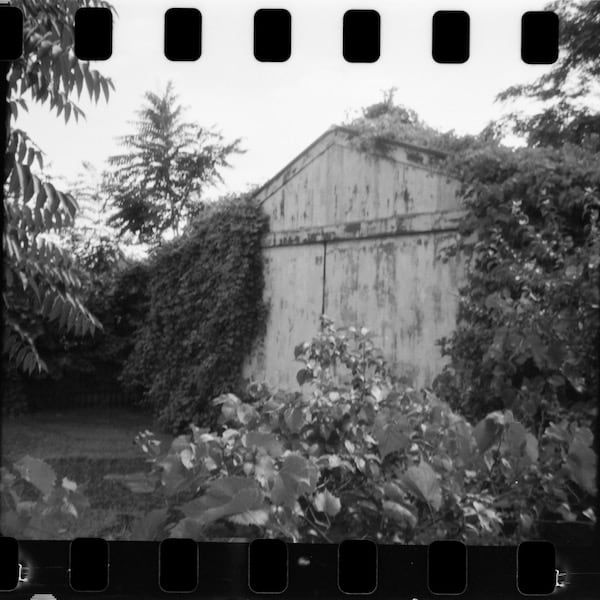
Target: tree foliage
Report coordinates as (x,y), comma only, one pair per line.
(42,280)
(97,244)
(119,300)
(365,457)
(567,96)
(527,337)
(157,183)
(383,123)
(205,309)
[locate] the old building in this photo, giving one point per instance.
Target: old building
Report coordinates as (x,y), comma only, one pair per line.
(356,235)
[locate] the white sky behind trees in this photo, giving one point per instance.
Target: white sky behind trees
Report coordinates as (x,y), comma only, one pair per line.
(279,109)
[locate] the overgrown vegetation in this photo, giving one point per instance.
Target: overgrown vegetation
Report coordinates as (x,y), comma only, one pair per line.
(353,451)
(366,455)
(157,182)
(528,328)
(205,309)
(565,99)
(363,453)
(42,281)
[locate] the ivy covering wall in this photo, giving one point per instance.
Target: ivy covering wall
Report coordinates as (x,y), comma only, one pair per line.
(205,310)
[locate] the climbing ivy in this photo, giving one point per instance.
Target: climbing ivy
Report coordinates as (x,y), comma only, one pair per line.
(205,309)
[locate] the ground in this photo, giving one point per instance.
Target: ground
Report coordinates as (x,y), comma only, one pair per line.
(87,446)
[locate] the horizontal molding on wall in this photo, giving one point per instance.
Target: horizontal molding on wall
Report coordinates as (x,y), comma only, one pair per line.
(389,227)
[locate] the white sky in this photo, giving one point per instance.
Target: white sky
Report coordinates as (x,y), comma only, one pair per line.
(279,109)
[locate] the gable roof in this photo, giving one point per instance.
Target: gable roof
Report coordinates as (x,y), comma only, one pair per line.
(341,134)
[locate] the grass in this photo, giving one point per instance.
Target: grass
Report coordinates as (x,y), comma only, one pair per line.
(85,446)
(98,433)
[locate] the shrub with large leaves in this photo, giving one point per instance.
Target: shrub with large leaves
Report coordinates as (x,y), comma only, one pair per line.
(366,456)
(42,280)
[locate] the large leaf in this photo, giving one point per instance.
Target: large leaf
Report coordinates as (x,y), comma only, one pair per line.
(391,439)
(264,470)
(399,513)
(328,503)
(392,491)
(224,498)
(531,447)
(487,433)
(519,443)
(188,528)
(581,465)
(303,376)
(251,517)
(422,482)
(296,477)
(282,494)
(463,439)
(37,472)
(150,527)
(294,419)
(174,475)
(300,472)
(246,413)
(266,441)
(181,442)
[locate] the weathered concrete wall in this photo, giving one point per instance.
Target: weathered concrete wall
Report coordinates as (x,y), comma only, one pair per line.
(357,236)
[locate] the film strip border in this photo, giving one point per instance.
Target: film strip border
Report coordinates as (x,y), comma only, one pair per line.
(266,567)
(273,35)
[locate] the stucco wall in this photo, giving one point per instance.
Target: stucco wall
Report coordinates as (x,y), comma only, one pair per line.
(357,236)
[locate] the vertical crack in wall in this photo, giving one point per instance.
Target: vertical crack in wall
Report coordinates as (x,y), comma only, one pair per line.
(324,290)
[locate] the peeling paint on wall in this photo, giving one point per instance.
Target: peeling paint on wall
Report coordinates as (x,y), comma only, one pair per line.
(359,235)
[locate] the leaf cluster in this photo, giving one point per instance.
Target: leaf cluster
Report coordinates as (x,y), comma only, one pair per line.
(35,505)
(43,281)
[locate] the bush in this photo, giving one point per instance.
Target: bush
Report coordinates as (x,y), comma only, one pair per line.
(205,309)
(356,453)
(527,338)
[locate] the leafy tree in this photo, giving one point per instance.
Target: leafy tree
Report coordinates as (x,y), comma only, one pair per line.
(529,336)
(92,239)
(567,96)
(158,182)
(109,289)
(42,280)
